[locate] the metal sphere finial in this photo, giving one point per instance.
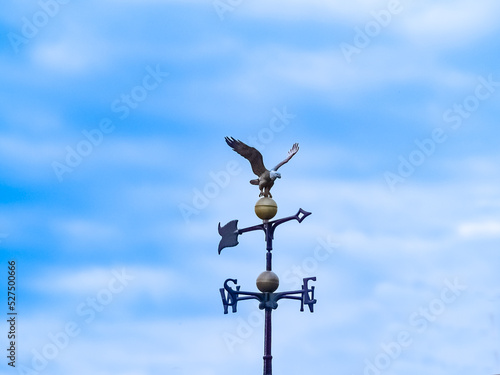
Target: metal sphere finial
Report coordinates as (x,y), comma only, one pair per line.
(266,208)
(268,282)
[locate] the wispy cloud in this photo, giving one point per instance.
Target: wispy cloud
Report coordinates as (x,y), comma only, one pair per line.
(482,229)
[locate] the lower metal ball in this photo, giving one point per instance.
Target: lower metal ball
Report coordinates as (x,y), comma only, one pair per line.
(268,282)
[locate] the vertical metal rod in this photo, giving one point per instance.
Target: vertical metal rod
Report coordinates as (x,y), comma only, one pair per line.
(268,367)
(269,247)
(268,358)
(269,235)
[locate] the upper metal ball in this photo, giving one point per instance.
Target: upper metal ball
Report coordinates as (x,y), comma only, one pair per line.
(266,208)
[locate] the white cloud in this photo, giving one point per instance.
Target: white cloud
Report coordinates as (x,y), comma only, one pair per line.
(150,282)
(146,152)
(450,24)
(315,9)
(478,230)
(25,158)
(80,49)
(68,56)
(81,230)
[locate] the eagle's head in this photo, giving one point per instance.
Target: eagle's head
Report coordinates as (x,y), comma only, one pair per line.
(274,175)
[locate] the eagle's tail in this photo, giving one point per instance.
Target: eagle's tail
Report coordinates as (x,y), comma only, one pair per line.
(254,182)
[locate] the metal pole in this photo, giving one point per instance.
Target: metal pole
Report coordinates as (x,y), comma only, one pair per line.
(268,358)
(268,367)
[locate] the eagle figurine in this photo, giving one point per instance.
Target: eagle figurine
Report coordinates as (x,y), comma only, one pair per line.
(266,177)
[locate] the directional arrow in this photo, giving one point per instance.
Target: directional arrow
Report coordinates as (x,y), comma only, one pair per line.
(230,231)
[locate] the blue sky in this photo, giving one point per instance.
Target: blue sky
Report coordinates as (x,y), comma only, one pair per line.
(115,175)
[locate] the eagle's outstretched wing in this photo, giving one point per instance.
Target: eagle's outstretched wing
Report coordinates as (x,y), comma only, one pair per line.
(251,154)
(293,151)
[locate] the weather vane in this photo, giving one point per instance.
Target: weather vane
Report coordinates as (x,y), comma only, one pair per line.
(267,282)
